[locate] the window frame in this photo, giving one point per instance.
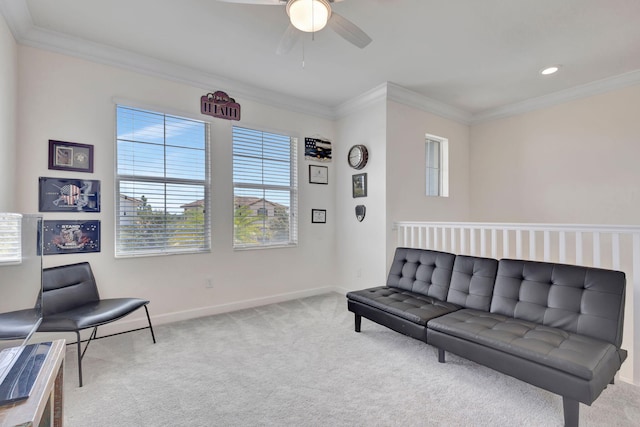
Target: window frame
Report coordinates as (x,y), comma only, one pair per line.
(206,184)
(293,189)
(442,168)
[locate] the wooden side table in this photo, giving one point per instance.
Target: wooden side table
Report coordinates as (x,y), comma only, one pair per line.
(43,408)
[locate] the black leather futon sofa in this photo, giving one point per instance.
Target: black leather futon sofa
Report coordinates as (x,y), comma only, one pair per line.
(555,326)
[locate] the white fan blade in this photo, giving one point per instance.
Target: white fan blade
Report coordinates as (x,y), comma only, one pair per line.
(268,2)
(348,30)
(289,38)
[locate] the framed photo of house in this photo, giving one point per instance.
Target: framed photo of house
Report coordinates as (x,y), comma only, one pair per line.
(318,174)
(70,237)
(359,183)
(70,156)
(69,195)
(318,216)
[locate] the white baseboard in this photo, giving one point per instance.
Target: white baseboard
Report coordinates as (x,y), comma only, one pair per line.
(140,320)
(627,380)
(238,305)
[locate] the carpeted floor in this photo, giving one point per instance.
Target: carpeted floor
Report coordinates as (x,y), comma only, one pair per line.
(300,363)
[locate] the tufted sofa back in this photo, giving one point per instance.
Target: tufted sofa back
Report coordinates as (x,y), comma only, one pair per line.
(472,282)
(422,271)
(584,300)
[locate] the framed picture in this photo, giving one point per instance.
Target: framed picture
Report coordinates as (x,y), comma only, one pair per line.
(318,216)
(69,195)
(70,237)
(360,185)
(317,150)
(318,174)
(69,156)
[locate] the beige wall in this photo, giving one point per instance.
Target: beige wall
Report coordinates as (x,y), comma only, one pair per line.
(406,158)
(70,99)
(361,245)
(8,103)
(573,163)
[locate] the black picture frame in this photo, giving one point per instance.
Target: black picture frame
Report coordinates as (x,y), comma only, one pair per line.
(317,150)
(318,216)
(318,174)
(68,195)
(70,237)
(359,185)
(70,156)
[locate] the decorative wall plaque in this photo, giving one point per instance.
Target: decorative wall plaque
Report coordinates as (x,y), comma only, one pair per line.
(317,150)
(70,237)
(218,104)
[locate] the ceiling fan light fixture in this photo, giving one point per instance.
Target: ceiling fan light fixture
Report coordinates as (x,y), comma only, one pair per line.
(309,15)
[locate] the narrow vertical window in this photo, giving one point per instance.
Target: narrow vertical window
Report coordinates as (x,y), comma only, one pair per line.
(265,189)
(437,169)
(11,243)
(162,184)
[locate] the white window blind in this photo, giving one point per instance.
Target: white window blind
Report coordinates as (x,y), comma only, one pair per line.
(162,184)
(11,238)
(265,189)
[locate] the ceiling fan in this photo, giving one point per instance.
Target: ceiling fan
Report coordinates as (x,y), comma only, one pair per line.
(310,16)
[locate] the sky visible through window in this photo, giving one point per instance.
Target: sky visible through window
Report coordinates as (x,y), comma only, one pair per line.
(152,146)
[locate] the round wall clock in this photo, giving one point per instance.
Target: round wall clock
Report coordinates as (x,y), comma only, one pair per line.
(358,156)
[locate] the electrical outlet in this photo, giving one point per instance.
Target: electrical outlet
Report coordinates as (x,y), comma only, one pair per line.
(209,283)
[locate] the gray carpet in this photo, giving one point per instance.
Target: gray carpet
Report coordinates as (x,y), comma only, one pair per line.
(300,363)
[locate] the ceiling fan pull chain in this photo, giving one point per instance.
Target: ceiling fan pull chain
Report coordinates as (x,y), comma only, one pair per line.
(313,22)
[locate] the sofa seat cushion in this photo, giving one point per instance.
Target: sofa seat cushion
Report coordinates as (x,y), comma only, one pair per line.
(568,352)
(414,307)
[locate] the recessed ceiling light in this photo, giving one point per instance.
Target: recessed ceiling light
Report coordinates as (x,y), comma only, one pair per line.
(549,70)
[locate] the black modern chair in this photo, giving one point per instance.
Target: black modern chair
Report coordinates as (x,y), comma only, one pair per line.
(71,303)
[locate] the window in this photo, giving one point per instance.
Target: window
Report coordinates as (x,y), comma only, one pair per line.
(437,166)
(162,184)
(265,189)
(11,242)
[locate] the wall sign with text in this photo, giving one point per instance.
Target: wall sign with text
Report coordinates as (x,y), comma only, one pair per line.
(218,104)
(70,237)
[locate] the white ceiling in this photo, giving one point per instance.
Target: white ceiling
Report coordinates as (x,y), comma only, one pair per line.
(477,56)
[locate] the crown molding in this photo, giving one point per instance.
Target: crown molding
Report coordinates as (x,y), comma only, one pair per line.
(19,21)
(413,99)
(360,102)
(560,97)
(389,91)
(17,16)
